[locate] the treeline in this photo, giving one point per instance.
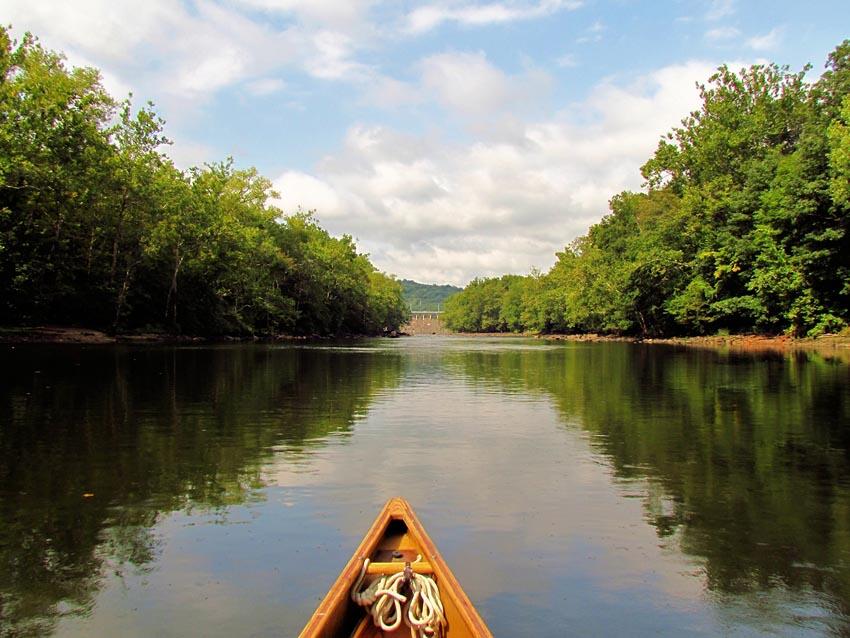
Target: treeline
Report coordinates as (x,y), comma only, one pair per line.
(426,296)
(743,225)
(99,228)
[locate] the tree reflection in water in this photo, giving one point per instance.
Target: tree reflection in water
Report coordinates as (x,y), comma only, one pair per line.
(96,444)
(747,454)
(741,460)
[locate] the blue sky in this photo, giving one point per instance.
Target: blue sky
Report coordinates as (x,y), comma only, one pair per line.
(452,138)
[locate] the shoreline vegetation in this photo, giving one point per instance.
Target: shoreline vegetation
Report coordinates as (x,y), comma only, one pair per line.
(99,228)
(89,336)
(829,344)
(742,226)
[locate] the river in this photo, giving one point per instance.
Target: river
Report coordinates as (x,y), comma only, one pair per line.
(576,489)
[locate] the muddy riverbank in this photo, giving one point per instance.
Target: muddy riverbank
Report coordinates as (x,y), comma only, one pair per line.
(75,335)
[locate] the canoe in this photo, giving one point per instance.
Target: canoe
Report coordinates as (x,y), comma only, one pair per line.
(395,539)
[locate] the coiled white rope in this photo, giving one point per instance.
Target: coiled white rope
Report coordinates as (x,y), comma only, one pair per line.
(423,614)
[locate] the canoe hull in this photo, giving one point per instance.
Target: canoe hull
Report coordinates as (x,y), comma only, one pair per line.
(395,536)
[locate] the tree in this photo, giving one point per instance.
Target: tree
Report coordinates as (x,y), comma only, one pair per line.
(98,227)
(743,225)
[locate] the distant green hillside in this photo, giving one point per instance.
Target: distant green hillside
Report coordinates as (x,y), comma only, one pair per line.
(427,296)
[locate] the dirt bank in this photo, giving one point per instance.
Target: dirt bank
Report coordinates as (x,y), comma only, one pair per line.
(64,334)
(836,346)
(830,345)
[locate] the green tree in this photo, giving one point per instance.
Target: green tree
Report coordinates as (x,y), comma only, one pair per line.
(743,226)
(54,154)
(98,227)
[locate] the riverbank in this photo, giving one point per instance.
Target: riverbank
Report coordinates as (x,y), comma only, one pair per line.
(65,334)
(74,335)
(828,344)
(757,341)
(833,344)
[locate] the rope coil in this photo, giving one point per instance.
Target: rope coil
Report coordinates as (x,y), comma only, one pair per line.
(423,612)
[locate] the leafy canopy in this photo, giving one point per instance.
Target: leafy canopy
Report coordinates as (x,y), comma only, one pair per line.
(743,225)
(99,228)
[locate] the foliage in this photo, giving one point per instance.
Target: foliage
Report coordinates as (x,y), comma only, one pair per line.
(426,296)
(487,305)
(99,228)
(743,225)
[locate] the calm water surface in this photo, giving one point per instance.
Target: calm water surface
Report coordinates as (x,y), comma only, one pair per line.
(575,489)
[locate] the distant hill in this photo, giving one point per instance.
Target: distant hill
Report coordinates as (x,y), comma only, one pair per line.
(427,296)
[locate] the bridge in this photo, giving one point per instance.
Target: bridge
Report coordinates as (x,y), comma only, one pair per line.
(426,322)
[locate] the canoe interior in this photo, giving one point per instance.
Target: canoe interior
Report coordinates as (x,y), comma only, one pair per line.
(395,537)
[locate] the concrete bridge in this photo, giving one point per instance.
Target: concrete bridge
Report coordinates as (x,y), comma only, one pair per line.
(426,322)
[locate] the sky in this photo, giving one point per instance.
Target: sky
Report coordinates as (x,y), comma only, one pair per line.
(452,139)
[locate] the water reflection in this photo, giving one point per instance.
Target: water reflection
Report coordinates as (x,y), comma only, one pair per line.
(747,453)
(604,488)
(96,445)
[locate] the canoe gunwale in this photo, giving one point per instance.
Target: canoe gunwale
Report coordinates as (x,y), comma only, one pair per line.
(330,614)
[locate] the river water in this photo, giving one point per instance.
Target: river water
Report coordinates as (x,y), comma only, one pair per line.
(575,489)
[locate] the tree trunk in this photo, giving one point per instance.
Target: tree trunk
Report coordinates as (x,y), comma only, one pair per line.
(122,296)
(642,322)
(171,298)
(119,231)
(90,252)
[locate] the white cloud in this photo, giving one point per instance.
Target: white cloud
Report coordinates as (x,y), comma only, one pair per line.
(766,42)
(431,16)
(592,34)
(113,84)
(522,183)
(183,55)
(336,13)
(265,86)
(187,153)
(448,211)
(220,69)
(718,9)
(105,29)
(333,57)
(218,47)
(566,61)
(722,33)
(306,192)
(585,39)
(467,84)
(386,92)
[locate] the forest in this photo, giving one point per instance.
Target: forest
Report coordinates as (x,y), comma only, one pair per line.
(99,228)
(741,227)
(427,296)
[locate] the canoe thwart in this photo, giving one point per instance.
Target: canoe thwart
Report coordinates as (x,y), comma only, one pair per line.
(395,567)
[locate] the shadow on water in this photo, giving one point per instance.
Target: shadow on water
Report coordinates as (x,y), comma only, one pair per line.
(751,452)
(97,444)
